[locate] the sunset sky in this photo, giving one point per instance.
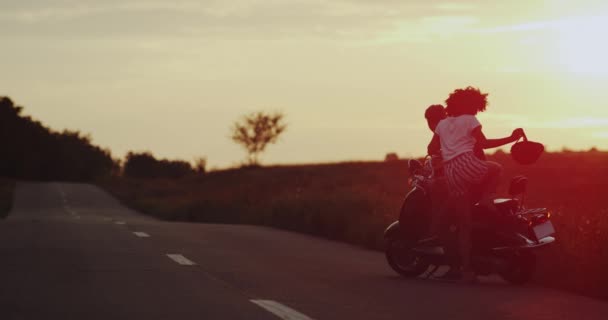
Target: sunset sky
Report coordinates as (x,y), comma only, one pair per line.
(353,77)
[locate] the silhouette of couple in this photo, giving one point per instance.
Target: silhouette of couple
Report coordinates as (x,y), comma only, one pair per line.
(462,174)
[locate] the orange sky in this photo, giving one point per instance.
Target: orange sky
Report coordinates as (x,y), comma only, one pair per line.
(352,76)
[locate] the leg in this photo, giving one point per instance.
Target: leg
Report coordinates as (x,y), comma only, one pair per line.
(438,206)
(490,183)
(449,233)
(465,233)
(458,244)
(449,238)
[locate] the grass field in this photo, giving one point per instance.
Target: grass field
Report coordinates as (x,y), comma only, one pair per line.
(354,202)
(6,196)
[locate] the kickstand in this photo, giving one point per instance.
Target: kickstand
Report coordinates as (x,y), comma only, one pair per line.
(431,272)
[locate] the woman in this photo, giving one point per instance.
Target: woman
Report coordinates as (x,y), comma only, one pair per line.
(456,137)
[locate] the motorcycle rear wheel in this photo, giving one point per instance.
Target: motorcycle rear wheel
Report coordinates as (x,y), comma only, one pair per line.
(521,268)
(404,260)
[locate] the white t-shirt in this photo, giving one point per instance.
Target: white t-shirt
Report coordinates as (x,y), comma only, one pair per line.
(456,137)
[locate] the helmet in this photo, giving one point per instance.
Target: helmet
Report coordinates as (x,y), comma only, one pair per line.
(526,152)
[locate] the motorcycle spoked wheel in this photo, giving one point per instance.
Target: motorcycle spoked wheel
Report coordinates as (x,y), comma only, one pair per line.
(403,260)
(521,267)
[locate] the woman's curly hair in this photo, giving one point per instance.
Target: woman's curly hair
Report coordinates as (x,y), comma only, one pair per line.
(466,101)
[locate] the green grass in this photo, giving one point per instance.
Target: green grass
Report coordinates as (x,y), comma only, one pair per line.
(7,188)
(351,202)
(354,202)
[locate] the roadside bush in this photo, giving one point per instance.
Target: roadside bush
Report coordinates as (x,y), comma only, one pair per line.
(146,166)
(7,188)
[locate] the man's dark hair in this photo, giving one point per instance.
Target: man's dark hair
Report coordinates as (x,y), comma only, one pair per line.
(435,112)
(466,101)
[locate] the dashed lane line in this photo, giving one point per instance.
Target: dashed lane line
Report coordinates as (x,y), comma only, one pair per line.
(61,191)
(71,211)
(180,259)
(120,222)
(280,310)
(141,234)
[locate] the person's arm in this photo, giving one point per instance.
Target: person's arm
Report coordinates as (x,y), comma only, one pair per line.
(434,146)
(486,143)
(478,151)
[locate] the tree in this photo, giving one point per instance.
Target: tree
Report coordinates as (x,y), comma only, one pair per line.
(256,131)
(200,165)
(32,151)
(391,157)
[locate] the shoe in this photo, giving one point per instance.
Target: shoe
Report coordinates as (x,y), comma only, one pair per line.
(453,275)
(469,277)
(430,239)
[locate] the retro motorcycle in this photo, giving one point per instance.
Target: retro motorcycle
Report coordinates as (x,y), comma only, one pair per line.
(504,241)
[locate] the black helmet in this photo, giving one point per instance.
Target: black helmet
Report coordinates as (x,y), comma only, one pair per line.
(526,152)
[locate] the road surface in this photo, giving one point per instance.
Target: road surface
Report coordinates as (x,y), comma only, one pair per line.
(71,251)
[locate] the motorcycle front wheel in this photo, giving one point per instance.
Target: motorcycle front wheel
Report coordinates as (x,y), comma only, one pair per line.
(404,260)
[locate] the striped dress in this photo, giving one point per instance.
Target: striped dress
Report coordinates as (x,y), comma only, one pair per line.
(462,168)
(464,172)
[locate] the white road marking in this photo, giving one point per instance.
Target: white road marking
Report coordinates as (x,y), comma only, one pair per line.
(120,222)
(281,311)
(61,191)
(69,210)
(141,234)
(180,259)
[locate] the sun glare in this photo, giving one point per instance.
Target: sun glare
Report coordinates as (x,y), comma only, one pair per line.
(580,44)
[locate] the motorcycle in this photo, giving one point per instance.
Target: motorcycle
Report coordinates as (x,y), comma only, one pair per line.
(504,240)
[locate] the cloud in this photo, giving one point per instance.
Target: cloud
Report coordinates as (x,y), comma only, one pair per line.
(567,123)
(67,10)
(258,18)
(594,23)
(456,6)
(575,123)
(601,134)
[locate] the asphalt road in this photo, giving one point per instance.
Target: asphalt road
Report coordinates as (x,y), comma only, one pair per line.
(70,251)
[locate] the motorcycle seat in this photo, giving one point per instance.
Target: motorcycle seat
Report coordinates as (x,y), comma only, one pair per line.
(502,200)
(484,218)
(503,204)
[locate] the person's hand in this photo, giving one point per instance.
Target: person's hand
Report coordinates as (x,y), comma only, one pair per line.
(517,134)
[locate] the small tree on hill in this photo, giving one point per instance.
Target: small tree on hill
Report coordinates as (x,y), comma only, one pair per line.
(200,165)
(256,131)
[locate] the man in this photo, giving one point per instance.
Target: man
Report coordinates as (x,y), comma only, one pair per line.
(438,193)
(442,225)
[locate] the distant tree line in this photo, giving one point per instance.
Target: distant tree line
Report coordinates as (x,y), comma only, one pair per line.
(33,151)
